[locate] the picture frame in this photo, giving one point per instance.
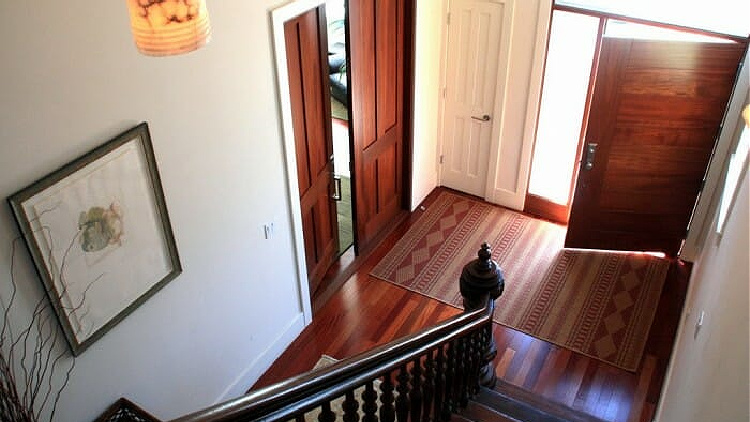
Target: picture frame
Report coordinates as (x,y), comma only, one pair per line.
(124,410)
(99,234)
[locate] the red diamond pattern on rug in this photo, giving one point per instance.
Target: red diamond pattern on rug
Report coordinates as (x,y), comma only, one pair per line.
(594,303)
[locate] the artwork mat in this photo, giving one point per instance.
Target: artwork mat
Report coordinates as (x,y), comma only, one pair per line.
(132,144)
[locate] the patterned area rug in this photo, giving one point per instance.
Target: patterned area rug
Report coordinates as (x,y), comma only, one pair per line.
(595,303)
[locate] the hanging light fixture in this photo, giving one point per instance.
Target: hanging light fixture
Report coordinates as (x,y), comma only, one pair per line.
(168,27)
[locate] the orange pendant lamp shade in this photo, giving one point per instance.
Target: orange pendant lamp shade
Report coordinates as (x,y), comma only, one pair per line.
(168,27)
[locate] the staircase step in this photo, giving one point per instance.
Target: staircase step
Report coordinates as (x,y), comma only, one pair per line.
(518,405)
(460,418)
(477,412)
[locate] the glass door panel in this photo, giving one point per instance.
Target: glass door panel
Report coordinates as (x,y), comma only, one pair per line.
(572,46)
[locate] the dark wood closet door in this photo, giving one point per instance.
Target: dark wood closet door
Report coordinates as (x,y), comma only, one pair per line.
(656,111)
(306,46)
(377,69)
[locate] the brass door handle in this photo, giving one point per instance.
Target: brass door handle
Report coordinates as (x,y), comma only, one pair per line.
(336,188)
(590,156)
(485,118)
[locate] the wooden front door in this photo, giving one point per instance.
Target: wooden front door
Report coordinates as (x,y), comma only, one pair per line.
(377,68)
(306,46)
(655,114)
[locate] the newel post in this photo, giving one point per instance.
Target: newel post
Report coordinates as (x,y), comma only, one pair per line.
(481,278)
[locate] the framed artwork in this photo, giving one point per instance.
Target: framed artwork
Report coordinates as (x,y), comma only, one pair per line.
(124,410)
(98,232)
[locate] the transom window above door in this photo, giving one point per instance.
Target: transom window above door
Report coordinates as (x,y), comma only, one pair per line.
(723,16)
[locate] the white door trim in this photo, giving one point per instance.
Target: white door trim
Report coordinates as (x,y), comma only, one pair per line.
(516,198)
(498,79)
(500,89)
(501,96)
(279,17)
(443,81)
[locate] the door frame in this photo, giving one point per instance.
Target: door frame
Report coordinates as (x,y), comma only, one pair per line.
(705,205)
(501,85)
(279,17)
(537,205)
(508,193)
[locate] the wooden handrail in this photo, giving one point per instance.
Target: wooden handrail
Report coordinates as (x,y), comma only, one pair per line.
(326,383)
(462,346)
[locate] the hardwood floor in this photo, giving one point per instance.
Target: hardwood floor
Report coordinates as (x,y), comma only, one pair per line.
(367,311)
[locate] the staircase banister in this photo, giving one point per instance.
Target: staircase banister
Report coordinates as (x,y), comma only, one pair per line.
(282,400)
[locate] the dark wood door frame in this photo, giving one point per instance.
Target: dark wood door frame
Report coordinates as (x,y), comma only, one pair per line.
(541,207)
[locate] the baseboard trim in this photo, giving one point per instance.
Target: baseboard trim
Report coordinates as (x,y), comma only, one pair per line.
(508,199)
(257,367)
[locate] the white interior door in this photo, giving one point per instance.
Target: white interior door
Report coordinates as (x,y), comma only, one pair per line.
(474,32)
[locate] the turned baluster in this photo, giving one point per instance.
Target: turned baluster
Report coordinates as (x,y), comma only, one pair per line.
(428,386)
(326,415)
(387,411)
(480,279)
(475,342)
(402,401)
(439,383)
(462,385)
(350,406)
(450,374)
(487,376)
(370,403)
(415,396)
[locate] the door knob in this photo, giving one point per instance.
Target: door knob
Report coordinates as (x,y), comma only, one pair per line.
(485,118)
(590,155)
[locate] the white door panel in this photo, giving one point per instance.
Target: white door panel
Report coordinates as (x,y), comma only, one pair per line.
(473,48)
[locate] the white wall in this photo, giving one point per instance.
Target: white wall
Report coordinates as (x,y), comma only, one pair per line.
(70,79)
(708,200)
(708,377)
(430,24)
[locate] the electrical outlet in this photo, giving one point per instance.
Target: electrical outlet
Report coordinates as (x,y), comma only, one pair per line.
(699,323)
(701,319)
(268,231)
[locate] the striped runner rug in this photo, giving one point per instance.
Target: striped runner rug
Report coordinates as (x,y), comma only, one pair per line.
(599,304)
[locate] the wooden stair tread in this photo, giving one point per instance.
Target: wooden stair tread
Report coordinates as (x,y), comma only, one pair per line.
(518,405)
(478,412)
(496,418)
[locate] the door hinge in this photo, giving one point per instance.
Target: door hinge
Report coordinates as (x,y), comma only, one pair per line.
(448,19)
(442,158)
(445,91)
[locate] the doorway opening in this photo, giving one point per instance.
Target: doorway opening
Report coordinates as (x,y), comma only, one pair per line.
(340,112)
(373,134)
(627,121)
